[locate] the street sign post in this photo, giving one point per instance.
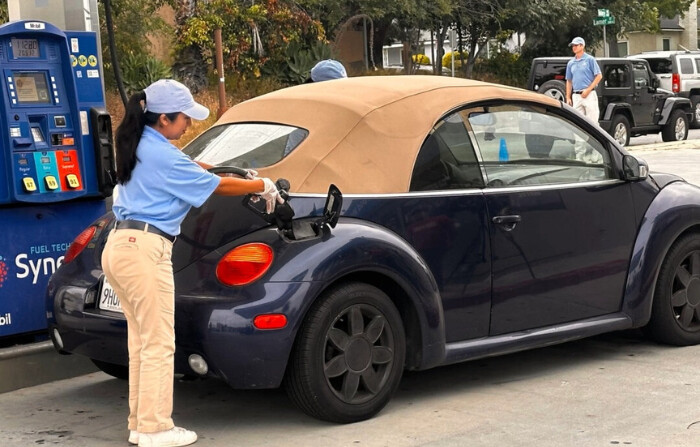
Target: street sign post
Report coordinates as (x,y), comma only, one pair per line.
(604,18)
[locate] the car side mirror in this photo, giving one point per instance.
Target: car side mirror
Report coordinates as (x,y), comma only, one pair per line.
(634,168)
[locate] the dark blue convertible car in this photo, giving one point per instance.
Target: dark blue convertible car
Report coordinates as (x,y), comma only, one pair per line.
(466,220)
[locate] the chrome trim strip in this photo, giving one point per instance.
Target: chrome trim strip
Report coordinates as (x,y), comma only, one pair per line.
(471,191)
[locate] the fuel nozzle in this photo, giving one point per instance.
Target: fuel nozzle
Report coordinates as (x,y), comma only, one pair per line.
(283,213)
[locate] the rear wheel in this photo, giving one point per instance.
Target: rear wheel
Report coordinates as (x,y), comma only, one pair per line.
(677,127)
(675,316)
(620,129)
(695,123)
(349,355)
(118,371)
(555,89)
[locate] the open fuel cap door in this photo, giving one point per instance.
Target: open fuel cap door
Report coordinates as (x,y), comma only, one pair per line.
(334,203)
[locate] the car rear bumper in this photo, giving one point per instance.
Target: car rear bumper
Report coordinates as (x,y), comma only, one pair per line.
(219,329)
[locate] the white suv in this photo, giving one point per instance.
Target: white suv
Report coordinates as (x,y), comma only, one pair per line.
(679,72)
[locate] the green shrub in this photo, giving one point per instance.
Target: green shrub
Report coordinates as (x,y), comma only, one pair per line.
(140,70)
(503,68)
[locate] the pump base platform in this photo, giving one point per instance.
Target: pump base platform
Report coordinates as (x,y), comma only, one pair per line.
(32,364)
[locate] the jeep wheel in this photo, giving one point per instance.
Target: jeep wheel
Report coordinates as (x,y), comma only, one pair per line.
(555,89)
(695,123)
(677,127)
(620,129)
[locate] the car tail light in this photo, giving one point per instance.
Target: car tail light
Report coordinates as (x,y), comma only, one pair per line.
(270,321)
(244,264)
(676,82)
(79,244)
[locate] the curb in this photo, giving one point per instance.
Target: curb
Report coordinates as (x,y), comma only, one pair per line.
(686,144)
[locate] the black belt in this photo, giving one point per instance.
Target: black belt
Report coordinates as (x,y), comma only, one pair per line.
(138,225)
(578,92)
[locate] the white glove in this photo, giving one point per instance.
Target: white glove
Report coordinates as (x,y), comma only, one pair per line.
(270,194)
(251,174)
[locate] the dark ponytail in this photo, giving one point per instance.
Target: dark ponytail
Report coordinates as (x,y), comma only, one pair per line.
(129,134)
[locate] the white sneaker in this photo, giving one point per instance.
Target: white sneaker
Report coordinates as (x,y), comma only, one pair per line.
(133,437)
(175,437)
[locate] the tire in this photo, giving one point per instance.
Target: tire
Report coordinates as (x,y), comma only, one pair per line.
(349,355)
(117,371)
(675,314)
(677,127)
(555,89)
(695,122)
(620,129)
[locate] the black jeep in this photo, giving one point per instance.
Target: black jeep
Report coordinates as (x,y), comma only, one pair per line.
(631,102)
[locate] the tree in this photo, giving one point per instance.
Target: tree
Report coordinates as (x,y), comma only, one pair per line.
(256,34)
(133,21)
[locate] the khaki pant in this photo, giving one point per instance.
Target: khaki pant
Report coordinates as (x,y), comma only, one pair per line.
(588,106)
(138,266)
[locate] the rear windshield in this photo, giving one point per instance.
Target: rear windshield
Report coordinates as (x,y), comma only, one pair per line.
(245,145)
(660,65)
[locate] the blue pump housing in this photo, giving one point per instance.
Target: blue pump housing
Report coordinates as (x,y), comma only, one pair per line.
(56,159)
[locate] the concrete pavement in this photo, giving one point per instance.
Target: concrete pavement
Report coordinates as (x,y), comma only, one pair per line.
(617,389)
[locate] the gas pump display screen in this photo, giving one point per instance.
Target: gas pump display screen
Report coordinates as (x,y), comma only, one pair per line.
(32,87)
(25,48)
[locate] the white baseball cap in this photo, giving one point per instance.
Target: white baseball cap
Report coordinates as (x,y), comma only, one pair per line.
(170,96)
(578,41)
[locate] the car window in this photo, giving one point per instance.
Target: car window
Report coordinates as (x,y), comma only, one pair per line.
(547,70)
(526,145)
(697,64)
(617,75)
(686,65)
(246,145)
(641,75)
(446,160)
(661,65)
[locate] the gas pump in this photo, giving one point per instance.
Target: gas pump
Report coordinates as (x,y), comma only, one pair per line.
(56,159)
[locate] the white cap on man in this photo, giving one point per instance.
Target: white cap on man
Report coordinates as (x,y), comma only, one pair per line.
(578,41)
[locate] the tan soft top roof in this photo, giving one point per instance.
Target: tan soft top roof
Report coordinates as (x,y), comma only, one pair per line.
(364,132)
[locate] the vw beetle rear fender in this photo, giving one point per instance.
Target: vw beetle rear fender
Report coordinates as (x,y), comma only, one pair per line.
(354,250)
(674,211)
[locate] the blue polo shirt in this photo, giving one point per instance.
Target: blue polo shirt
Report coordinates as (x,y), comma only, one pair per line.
(164,185)
(581,72)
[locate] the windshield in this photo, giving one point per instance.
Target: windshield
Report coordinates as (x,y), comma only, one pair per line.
(246,145)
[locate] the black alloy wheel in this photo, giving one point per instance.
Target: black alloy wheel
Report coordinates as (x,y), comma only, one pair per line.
(675,315)
(349,355)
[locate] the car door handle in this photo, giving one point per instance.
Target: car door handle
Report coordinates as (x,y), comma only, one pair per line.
(508,223)
(503,220)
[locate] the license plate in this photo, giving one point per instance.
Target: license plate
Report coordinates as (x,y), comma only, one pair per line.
(108,298)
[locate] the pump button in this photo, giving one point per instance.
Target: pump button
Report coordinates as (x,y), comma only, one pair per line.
(51,182)
(73,181)
(29,184)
